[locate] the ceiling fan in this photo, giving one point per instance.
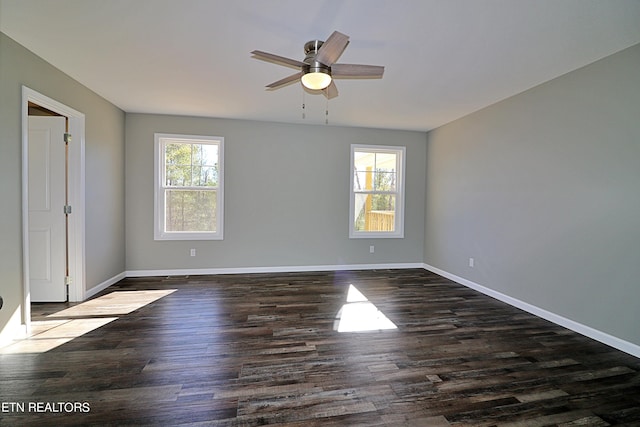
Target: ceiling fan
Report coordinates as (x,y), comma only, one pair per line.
(319,67)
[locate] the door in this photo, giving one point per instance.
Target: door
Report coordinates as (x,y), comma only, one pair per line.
(46,201)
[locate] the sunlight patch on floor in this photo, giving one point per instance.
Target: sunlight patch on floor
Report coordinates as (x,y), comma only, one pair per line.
(52,334)
(360,315)
(114,303)
(73,322)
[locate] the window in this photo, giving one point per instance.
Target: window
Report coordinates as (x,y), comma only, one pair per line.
(188,187)
(377,191)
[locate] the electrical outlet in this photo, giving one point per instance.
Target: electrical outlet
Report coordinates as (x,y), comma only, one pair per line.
(192,252)
(472,262)
(372,249)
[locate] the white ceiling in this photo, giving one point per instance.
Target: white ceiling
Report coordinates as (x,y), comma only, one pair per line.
(444,58)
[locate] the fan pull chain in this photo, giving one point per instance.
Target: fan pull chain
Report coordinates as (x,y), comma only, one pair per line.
(304,115)
(326,113)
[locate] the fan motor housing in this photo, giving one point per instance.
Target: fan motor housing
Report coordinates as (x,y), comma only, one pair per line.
(312,47)
(311,50)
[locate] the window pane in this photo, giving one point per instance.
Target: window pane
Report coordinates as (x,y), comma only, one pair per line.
(364,160)
(362,179)
(178,176)
(383,202)
(209,154)
(204,176)
(374,171)
(188,165)
(196,154)
(177,154)
(204,154)
(384,180)
(190,210)
(386,161)
(208,176)
(374,212)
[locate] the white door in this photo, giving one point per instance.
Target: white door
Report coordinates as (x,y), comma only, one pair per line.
(47,228)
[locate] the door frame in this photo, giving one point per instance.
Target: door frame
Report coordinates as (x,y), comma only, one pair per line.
(76,189)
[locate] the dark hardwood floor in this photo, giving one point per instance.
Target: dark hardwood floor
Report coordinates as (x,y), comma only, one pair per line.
(263,349)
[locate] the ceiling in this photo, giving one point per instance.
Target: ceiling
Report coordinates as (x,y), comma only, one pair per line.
(443,58)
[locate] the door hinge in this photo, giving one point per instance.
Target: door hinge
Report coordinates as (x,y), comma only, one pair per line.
(67,138)
(67,209)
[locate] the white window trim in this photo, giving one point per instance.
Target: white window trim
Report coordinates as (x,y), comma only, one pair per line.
(399,216)
(159,209)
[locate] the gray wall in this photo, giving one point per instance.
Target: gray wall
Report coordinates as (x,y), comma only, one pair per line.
(104,159)
(543,190)
(286,196)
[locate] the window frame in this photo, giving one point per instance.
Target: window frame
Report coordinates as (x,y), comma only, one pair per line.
(400,152)
(160,140)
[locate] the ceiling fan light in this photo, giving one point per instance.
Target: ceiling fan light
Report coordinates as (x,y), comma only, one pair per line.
(316,80)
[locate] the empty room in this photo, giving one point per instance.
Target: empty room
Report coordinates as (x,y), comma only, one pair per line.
(320,213)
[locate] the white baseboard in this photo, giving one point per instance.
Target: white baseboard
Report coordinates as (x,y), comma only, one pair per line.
(280,269)
(603,337)
(104,285)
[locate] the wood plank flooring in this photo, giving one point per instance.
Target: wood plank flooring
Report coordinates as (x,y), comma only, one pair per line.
(263,349)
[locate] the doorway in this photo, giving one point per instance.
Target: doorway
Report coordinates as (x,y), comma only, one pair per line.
(73,248)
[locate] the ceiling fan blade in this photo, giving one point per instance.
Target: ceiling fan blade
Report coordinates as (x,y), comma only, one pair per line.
(331,49)
(357,71)
(283,82)
(277,59)
(330,91)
